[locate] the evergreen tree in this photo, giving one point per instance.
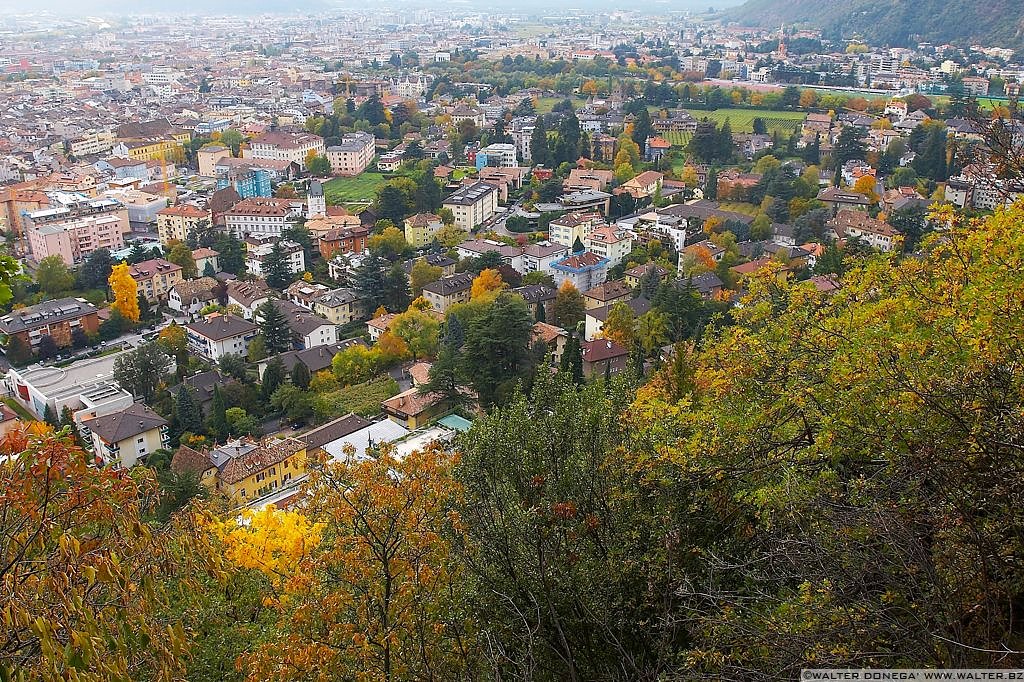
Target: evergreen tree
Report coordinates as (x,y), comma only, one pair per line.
(300,375)
(276,268)
(812,152)
(541,315)
(217,421)
(273,377)
(67,420)
(190,417)
(232,254)
(18,352)
(50,417)
(725,144)
(144,309)
(208,270)
(572,360)
(849,146)
(642,128)
(497,345)
(539,144)
(277,335)
(711,184)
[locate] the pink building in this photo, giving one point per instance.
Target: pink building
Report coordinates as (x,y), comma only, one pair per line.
(74,231)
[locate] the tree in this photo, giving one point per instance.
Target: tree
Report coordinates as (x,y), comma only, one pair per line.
(711,185)
(53,276)
(496,347)
(190,416)
(181,254)
(812,152)
(47,347)
(18,352)
(232,365)
(421,274)
(392,203)
(277,335)
(539,144)
(318,166)
(232,254)
(208,270)
(428,193)
(866,186)
(568,307)
(488,281)
(277,268)
(378,571)
(300,375)
(642,128)
(273,377)
(126,292)
(849,146)
(389,244)
(419,330)
(50,417)
(619,325)
(652,332)
(95,270)
(217,421)
(295,403)
(74,541)
(144,310)
(142,370)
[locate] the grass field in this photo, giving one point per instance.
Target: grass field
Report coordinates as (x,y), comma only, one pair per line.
(361,189)
(678,138)
(742,120)
(545,104)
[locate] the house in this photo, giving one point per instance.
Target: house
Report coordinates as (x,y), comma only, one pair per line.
(849,224)
(437,260)
(587,179)
(609,242)
(334,430)
(245,470)
(206,257)
(603,356)
(220,335)
(202,385)
(57,319)
(554,338)
(644,185)
(123,438)
(155,278)
(709,285)
(248,295)
(836,198)
(593,321)
(585,270)
(607,293)
(472,205)
(341,306)
(539,256)
(308,330)
(474,248)
(191,296)
(413,409)
(745,270)
(566,229)
(177,222)
(467,113)
(633,276)
(655,148)
(421,228)
(316,359)
(259,249)
(448,291)
(345,239)
(378,325)
(536,295)
(303,293)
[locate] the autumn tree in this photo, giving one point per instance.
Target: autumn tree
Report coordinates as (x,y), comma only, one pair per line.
(126,292)
(568,307)
(419,330)
(488,281)
(422,274)
(620,324)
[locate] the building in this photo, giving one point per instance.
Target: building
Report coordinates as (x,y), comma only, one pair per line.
(593,321)
(472,205)
(510,255)
(208,157)
(261,216)
(220,335)
(413,409)
(206,257)
(606,294)
(437,260)
(350,239)
(121,439)
(536,295)
(352,155)
(284,146)
(539,256)
(75,225)
(585,270)
(644,185)
(243,176)
(340,306)
(155,278)
(257,250)
(190,296)
(554,338)
(316,359)
(849,223)
(603,356)
(176,222)
(448,291)
(421,228)
(316,201)
(308,330)
(836,199)
(609,242)
(84,384)
(636,273)
(565,230)
(248,295)
(501,155)
(245,470)
(57,319)
(302,293)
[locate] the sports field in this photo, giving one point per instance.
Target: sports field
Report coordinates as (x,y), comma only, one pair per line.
(361,189)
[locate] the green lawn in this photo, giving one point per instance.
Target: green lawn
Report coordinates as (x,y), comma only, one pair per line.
(361,189)
(678,138)
(546,104)
(19,410)
(742,120)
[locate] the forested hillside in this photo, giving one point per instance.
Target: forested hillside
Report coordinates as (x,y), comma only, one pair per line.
(834,481)
(895,22)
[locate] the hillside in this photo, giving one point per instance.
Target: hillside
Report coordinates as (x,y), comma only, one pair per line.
(895,22)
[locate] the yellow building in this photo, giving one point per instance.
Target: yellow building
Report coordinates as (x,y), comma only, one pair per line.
(155,278)
(155,150)
(421,228)
(175,222)
(245,470)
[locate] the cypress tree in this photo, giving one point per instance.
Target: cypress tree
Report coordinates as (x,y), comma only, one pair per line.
(300,376)
(190,417)
(217,421)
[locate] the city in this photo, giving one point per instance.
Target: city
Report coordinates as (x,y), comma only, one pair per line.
(447,342)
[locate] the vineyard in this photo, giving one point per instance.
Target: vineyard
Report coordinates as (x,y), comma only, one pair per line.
(742,121)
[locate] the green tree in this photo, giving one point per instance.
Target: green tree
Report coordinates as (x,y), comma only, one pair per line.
(497,344)
(95,270)
(217,421)
(53,277)
(181,254)
(319,166)
(18,352)
(277,268)
(232,254)
(300,376)
(421,274)
(190,416)
(273,325)
(273,377)
(142,370)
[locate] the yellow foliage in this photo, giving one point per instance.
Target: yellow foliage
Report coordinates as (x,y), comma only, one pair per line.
(487,281)
(269,540)
(126,292)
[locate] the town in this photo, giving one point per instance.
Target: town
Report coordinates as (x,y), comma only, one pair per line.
(245,247)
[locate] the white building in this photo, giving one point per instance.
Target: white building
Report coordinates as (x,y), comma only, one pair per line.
(220,335)
(256,252)
(121,439)
(292,147)
(473,205)
(353,155)
(609,242)
(261,216)
(499,154)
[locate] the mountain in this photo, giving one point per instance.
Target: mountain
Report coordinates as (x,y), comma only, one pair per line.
(894,22)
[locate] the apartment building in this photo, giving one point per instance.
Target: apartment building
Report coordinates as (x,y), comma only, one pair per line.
(421,228)
(220,335)
(353,155)
(566,229)
(448,291)
(472,205)
(257,250)
(176,222)
(261,216)
(123,438)
(245,470)
(284,146)
(155,278)
(609,242)
(57,319)
(74,226)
